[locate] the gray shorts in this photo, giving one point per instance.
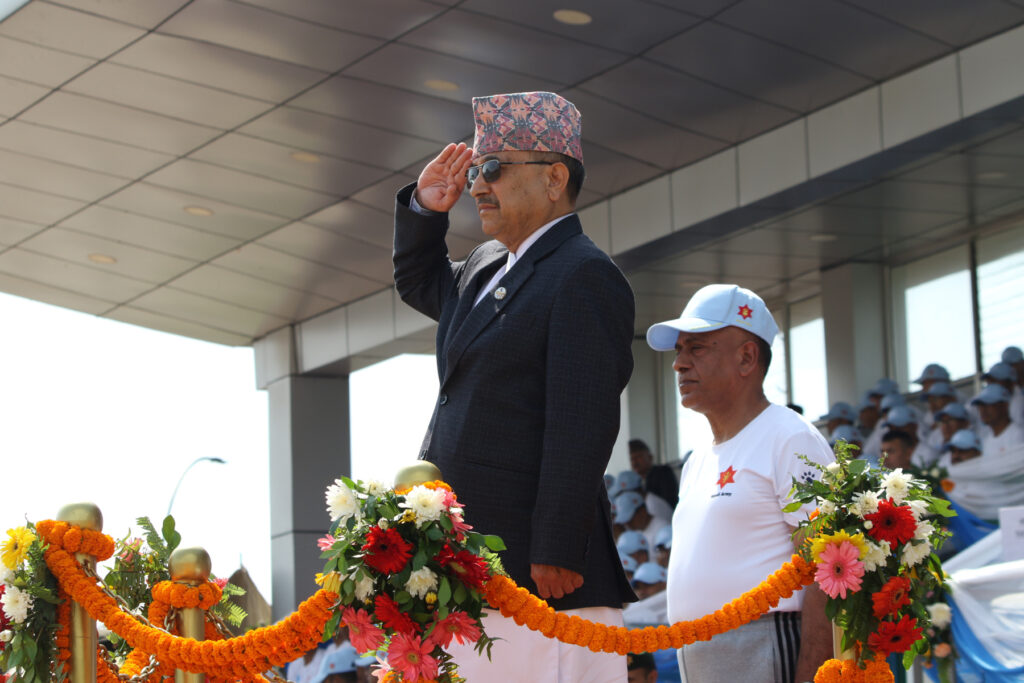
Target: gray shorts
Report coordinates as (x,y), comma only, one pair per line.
(763,651)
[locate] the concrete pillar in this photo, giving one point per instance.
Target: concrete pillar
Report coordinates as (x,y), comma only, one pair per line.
(652,402)
(853,307)
(309,448)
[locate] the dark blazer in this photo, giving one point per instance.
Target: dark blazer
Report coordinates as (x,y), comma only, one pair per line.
(528,406)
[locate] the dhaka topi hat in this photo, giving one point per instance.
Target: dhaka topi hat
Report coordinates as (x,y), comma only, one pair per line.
(527,122)
(712,308)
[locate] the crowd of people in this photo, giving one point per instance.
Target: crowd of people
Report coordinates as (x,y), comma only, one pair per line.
(975,443)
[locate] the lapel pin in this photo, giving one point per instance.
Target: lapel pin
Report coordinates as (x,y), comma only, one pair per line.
(500,293)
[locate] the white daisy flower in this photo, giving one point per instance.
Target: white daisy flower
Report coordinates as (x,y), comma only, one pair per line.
(364,588)
(421,582)
(376,488)
(342,502)
(428,504)
(918,507)
(924,531)
(940,614)
(16,604)
(875,555)
(897,485)
(866,502)
(826,507)
(914,553)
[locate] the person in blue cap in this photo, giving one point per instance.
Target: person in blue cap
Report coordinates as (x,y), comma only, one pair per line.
(841,413)
(938,395)
(733,490)
(952,419)
(904,418)
(632,512)
(851,435)
(663,546)
(631,480)
(1014,357)
(634,544)
(964,446)
(1005,376)
(1005,434)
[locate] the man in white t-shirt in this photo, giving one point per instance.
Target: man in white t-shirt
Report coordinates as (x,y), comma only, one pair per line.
(1006,434)
(728,530)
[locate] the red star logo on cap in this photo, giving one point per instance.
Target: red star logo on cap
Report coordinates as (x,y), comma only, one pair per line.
(726,477)
(744,312)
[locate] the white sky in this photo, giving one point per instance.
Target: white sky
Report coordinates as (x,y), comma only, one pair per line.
(93,409)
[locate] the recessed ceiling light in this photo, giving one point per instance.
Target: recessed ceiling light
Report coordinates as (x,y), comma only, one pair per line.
(572,17)
(823,237)
(305,157)
(991,175)
(198,211)
(441,85)
(105,259)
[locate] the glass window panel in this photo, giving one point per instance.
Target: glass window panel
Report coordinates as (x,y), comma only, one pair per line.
(932,312)
(807,355)
(1001,293)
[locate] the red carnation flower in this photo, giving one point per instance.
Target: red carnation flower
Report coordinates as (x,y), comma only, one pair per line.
(891,597)
(386,550)
(896,637)
(892,523)
(469,568)
(4,621)
(392,617)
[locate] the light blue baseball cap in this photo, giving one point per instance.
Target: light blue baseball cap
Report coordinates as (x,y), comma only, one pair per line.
(626,505)
(965,440)
(628,563)
(841,411)
(609,481)
(993,393)
(845,433)
(900,416)
(1001,372)
(1012,354)
(663,539)
(712,308)
(890,401)
(942,388)
(340,659)
(883,387)
(627,480)
(953,410)
(630,542)
(650,572)
(933,371)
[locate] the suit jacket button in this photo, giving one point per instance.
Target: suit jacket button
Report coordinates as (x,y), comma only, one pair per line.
(500,293)
(442,399)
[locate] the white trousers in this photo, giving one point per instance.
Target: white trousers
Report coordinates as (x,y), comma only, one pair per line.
(528,656)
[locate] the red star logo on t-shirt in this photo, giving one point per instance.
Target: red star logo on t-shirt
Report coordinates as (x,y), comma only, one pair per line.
(745,312)
(726,477)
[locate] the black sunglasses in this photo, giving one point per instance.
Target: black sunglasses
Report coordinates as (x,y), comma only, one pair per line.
(491,169)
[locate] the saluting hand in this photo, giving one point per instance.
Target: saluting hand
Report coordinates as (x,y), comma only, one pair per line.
(443,179)
(554,582)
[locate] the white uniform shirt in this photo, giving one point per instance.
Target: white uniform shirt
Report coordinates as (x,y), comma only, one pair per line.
(1011,439)
(728,531)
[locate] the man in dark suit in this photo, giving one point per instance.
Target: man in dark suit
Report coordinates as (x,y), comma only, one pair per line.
(533,352)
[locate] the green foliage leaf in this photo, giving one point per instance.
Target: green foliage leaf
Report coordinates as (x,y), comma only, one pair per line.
(444,591)
(793,507)
(419,560)
(494,543)
(403,597)
(460,594)
(858,467)
(940,506)
(172,537)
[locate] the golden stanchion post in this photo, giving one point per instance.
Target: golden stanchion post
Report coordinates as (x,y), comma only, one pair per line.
(84,640)
(191,566)
(418,473)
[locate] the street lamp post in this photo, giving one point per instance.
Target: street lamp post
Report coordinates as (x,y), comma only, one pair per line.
(195,462)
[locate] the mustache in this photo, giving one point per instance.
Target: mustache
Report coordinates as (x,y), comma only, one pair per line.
(487,199)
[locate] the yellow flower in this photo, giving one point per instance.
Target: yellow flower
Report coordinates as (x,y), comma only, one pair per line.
(431,598)
(407,516)
(329,582)
(15,548)
(819,543)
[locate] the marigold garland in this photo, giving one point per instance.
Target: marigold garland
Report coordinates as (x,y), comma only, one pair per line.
(243,658)
(847,671)
(529,610)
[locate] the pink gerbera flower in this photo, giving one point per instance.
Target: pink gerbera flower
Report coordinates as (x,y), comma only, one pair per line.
(458,625)
(459,525)
(364,635)
(839,570)
(325,543)
(410,656)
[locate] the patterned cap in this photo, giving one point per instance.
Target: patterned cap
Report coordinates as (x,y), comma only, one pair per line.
(527,121)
